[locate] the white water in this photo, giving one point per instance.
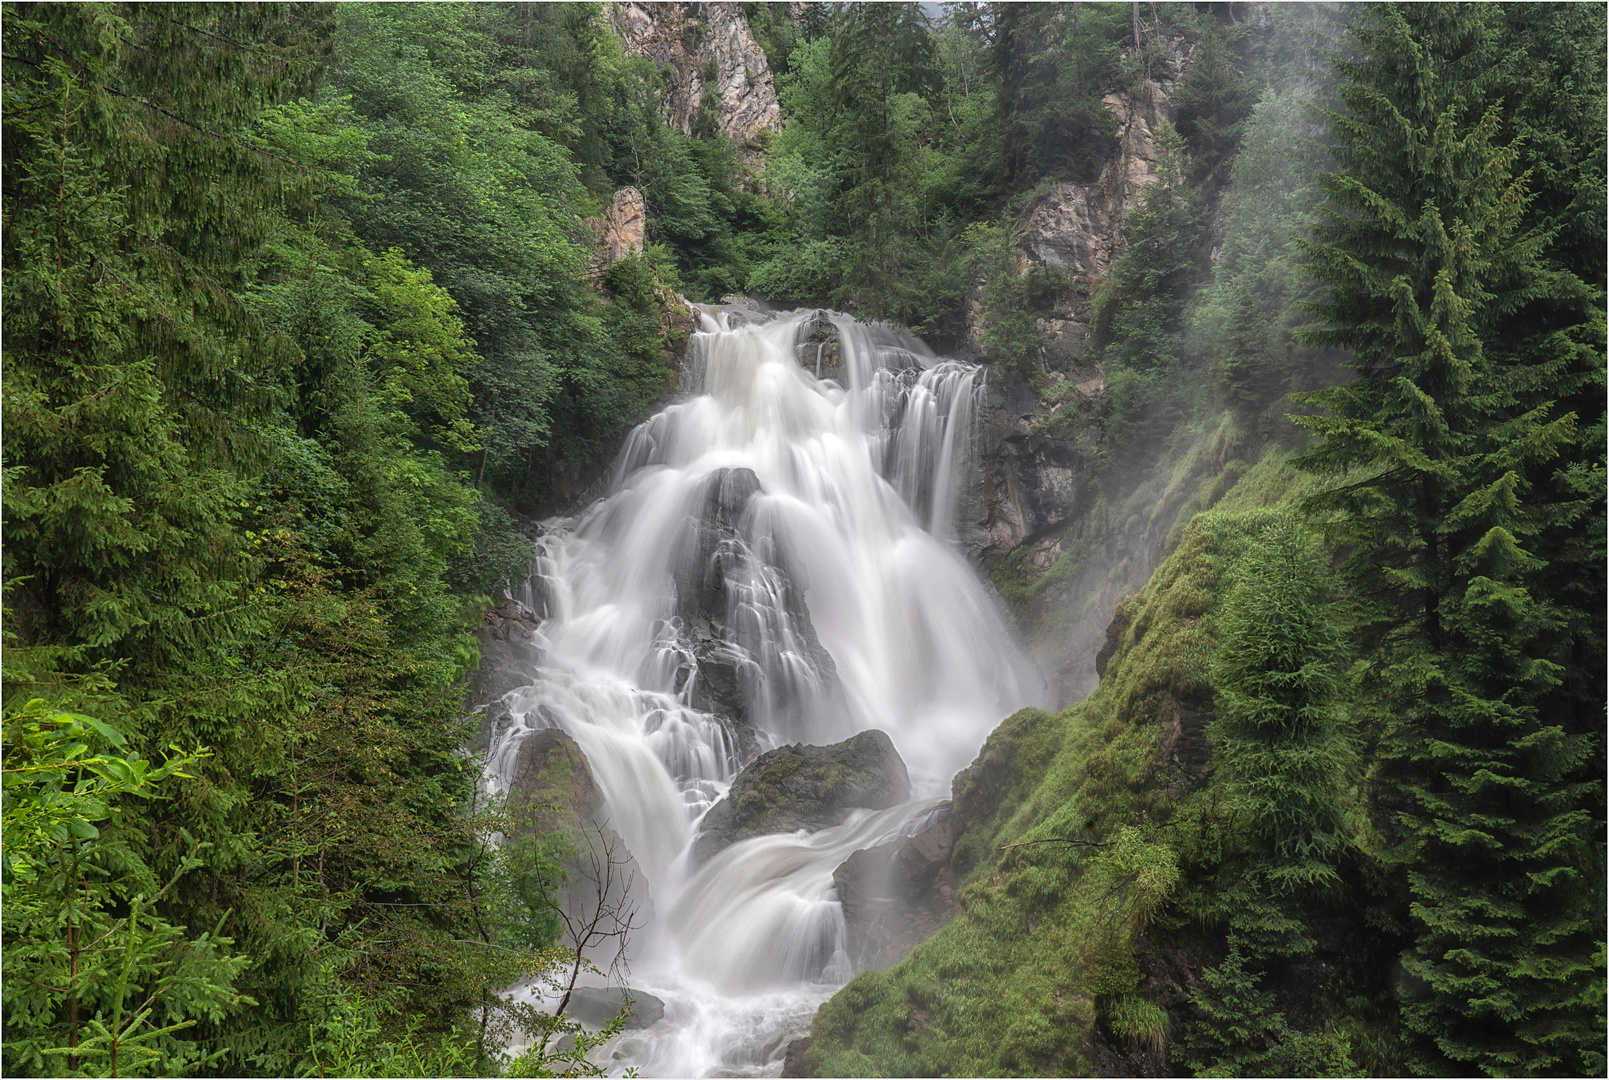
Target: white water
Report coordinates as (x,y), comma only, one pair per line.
(859,487)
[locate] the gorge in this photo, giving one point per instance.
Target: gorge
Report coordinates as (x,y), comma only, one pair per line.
(825,539)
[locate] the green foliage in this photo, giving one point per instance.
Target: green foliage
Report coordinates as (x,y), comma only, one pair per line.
(1141,312)
(1473,340)
(99,980)
(128,365)
(239,480)
(1283,746)
(1137,1022)
(1242,1034)
(1146,298)
(1252,312)
(1214,99)
(1053,65)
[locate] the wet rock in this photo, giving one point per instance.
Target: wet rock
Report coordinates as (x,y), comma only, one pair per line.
(711,556)
(508,660)
(713,547)
(550,770)
(821,352)
(898,894)
(1030,483)
(793,1060)
(806,787)
(733,607)
(595,1006)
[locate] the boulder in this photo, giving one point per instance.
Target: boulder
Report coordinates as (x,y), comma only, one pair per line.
(806,787)
(595,1006)
(550,770)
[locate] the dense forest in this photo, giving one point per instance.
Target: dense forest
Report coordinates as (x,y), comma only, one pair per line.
(303,319)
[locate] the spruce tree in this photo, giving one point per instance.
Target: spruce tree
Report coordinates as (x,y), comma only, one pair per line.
(1282,743)
(1283,748)
(1470,337)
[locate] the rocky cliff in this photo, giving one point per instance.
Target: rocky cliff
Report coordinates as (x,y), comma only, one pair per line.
(622,231)
(1026,517)
(706,47)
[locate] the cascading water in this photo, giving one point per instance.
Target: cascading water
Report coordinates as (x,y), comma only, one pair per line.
(776,546)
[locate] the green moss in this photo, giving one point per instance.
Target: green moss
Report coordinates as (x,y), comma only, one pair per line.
(779,769)
(833,778)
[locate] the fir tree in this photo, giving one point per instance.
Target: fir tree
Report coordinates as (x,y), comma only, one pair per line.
(1468,340)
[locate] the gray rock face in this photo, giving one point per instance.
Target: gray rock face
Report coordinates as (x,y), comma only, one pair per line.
(687,40)
(806,787)
(1031,482)
(596,1006)
(734,607)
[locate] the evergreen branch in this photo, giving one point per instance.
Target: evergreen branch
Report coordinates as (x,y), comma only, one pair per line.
(84,72)
(227,41)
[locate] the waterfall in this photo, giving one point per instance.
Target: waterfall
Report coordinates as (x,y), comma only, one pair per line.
(773,564)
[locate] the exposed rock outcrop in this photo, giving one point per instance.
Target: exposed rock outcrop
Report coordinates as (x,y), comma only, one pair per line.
(897,895)
(1078,227)
(806,787)
(1035,439)
(703,45)
(1032,482)
(621,232)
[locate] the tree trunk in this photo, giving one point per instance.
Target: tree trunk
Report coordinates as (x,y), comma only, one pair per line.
(1078,47)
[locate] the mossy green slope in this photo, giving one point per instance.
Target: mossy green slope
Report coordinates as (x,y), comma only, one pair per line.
(1074,827)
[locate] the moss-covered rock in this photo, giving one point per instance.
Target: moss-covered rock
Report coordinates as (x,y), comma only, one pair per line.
(551,784)
(806,787)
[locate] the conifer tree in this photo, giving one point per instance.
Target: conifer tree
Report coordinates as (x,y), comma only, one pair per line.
(1284,748)
(1282,743)
(1469,343)
(130,365)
